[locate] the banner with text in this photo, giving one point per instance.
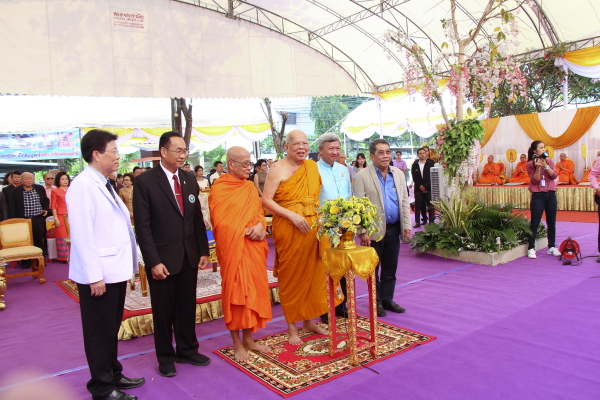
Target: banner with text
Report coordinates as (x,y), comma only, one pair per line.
(40,145)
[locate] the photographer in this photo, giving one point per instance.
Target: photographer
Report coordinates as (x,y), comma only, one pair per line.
(543,195)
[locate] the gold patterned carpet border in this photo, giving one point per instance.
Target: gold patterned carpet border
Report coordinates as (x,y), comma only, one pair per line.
(570,198)
(290,369)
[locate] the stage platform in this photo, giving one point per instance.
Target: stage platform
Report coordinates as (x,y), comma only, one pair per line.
(570,197)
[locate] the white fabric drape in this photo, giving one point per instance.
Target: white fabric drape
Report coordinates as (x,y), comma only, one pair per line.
(592,71)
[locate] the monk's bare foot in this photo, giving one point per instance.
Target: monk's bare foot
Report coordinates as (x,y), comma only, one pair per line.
(240,353)
(252,345)
(293,338)
(310,326)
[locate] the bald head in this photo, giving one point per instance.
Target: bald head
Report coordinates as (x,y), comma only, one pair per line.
(562,156)
(294,136)
(239,164)
(27,180)
(296,146)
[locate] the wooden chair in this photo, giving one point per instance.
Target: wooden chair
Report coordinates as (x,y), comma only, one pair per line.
(16,244)
(2,283)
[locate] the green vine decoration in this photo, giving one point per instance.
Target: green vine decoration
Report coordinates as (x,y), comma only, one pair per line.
(455,144)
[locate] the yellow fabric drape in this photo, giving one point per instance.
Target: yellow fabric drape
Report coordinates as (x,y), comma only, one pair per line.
(585,57)
(214,130)
(570,198)
(489,126)
(256,128)
(362,260)
(582,122)
(400,93)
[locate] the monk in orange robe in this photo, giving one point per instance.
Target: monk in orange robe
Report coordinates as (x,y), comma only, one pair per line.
(586,175)
(521,175)
(491,172)
(292,194)
(239,229)
(565,169)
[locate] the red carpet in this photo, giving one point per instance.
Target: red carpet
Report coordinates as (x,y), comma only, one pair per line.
(290,369)
(568,216)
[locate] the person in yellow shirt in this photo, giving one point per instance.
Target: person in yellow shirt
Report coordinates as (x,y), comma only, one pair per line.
(565,169)
(520,175)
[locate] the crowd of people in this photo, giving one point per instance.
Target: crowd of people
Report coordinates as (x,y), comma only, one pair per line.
(172,207)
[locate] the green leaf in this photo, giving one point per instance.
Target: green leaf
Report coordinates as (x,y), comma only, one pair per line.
(497,29)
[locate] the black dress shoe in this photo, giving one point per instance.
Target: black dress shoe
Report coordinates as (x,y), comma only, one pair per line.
(117,395)
(197,359)
(130,383)
(381,312)
(417,225)
(391,306)
(167,370)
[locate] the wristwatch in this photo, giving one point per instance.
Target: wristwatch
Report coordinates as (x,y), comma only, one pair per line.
(547,167)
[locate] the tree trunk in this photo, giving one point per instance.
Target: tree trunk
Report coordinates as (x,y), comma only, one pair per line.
(187,113)
(277,135)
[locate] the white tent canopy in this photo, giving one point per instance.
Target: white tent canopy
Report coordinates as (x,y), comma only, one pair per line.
(285,48)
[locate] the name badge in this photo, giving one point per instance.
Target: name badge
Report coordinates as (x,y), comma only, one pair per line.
(543,183)
(192,198)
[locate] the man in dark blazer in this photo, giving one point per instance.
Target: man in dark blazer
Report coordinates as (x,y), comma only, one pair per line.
(172,237)
(30,201)
(420,172)
(15,176)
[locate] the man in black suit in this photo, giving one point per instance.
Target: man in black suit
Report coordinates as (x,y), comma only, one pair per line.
(420,172)
(30,201)
(15,176)
(172,237)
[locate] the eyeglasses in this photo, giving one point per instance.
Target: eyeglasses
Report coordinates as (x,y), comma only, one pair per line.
(115,152)
(298,144)
(179,151)
(245,164)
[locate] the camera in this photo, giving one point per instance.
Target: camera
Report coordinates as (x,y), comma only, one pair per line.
(544,155)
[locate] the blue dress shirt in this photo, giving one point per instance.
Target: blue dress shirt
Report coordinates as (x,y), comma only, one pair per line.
(336,181)
(390,196)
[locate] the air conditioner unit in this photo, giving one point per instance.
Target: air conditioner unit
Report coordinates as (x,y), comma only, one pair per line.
(438,186)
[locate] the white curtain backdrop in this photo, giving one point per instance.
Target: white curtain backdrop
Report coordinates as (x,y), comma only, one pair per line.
(510,135)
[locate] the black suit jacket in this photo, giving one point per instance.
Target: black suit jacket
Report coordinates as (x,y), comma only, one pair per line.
(419,180)
(16,205)
(163,234)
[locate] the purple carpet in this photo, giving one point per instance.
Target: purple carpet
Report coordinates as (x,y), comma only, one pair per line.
(523,330)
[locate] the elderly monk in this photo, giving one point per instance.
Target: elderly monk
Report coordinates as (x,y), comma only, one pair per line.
(521,175)
(586,175)
(239,229)
(565,169)
(491,172)
(292,194)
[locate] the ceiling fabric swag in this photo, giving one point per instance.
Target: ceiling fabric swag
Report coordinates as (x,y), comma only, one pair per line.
(489,126)
(581,123)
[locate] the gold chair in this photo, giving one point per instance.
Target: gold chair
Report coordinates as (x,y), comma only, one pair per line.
(2,283)
(16,244)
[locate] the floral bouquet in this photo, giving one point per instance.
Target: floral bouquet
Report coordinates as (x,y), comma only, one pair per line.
(338,216)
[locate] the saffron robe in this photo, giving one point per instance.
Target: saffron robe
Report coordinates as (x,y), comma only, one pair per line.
(234,205)
(566,175)
(301,275)
(521,175)
(491,177)
(586,175)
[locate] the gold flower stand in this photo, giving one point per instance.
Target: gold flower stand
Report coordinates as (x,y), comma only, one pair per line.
(358,261)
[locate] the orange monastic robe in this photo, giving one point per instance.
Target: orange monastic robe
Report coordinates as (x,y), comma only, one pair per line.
(234,205)
(567,174)
(520,174)
(491,177)
(586,176)
(302,289)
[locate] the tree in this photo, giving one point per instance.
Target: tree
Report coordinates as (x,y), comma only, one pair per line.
(277,135)
(179,108)
(125,164)
(216,154)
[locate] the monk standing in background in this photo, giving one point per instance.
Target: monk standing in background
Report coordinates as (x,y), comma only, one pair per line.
(521,175)
(491,172)
(239,228)
(565,169)
(292,194)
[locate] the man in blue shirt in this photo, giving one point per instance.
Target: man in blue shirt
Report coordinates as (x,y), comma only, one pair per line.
(385,186)
(336,184)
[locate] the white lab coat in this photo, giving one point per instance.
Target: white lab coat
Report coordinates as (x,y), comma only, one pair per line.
(103,245)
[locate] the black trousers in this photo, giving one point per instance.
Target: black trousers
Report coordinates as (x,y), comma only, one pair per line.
(540,202)
(423,206)
(387,249)
(101,318)
(174,311)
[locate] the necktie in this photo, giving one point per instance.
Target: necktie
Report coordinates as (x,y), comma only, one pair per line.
(178,195)
(110,189)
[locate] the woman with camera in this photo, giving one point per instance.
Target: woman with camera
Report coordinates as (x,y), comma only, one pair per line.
(543,195)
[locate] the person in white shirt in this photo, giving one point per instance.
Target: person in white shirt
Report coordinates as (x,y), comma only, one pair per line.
(219,171)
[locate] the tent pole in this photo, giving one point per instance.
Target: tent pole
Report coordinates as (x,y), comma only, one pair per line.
(380,118)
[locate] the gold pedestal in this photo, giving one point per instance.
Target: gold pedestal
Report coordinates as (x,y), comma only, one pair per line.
(360,261)
(2,283)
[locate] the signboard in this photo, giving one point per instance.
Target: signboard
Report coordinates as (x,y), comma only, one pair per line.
(40,145)
(129,20)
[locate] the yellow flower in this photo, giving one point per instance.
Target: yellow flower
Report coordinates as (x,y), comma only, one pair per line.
(345,224)
(334,210)
(356,219)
